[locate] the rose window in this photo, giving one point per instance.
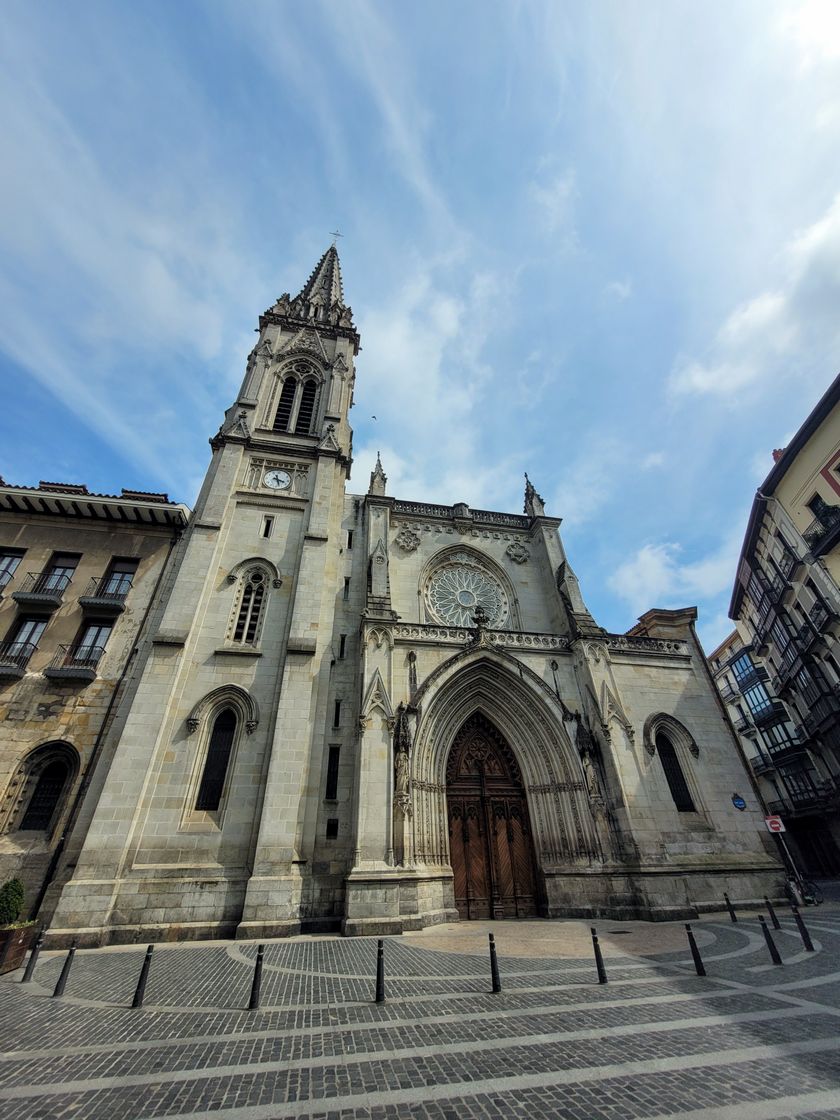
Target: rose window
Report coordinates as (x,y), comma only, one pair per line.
(455,592)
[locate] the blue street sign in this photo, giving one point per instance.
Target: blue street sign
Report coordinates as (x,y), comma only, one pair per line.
(738,801)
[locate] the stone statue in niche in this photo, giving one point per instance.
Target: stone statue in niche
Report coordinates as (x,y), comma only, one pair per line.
(402,759)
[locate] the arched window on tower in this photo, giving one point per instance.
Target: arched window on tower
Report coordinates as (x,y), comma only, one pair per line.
(674,775)
(284,408)
(307,407)
(247,624)
(216,763)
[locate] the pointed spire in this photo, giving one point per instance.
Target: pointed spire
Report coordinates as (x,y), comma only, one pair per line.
(321,299)
(534,505)
(325,282)
(378,479)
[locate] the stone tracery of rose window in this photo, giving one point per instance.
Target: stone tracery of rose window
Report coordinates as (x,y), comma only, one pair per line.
(457,588)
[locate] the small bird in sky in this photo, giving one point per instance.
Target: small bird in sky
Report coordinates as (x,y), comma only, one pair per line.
(373,417)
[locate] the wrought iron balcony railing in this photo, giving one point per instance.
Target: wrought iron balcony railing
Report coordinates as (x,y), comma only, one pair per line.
(728,694)
(43,590)
(106,594)
(14,657)
(818,532)
(75,663)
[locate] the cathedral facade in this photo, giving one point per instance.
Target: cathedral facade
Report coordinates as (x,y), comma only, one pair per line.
(368,714)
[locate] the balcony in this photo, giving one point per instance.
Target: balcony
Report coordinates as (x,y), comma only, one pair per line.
(105,595)
(728,694)
(824,710)
(773,713)
(755,675)
(75,663)
(824,531)
(821,617)
(14,657)
(42,591)
(805,800)
(761,764)
(744,726)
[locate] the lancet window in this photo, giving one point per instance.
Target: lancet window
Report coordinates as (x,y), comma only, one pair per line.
(298,400)
(217,761)
(248,618)
(674,775)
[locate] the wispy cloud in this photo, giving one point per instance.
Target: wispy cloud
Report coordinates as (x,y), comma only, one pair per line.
(776,332)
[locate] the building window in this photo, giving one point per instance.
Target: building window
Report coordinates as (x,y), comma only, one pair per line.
(346,588)
(331,792)
(9,560)
(284,408)
(337,714)
(342,646)
(40,788)
(119,578)
(332,828)
(267,526)
(45,797)
(61,570)
(250,608)
(92,642)
(349,539)
(25,638)
(216,763)
(307,407)
(674,775)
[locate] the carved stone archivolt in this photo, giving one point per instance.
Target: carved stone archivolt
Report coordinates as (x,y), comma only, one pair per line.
(679,735)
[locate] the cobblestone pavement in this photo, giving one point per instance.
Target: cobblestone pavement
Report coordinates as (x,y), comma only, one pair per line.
(751,1041)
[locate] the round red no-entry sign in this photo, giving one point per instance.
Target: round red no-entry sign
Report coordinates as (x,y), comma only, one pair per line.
(774,824)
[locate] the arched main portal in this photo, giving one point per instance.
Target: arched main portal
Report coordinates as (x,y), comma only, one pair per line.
(489,829)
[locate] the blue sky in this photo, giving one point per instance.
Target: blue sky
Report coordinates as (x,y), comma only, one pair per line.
(597,242)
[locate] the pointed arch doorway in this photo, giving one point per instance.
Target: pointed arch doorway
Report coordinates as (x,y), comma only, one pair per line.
(489,829)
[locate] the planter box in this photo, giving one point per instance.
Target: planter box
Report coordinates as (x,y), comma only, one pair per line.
(14,945)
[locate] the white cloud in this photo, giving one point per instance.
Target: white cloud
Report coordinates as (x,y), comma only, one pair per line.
(554,196)
(777,332)
(619,290)
(652,460)
(813,26)
(655,576)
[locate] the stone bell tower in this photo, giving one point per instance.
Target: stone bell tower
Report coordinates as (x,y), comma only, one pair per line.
(209,818)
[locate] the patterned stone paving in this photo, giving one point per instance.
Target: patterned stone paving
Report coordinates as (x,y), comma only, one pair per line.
(751,1041)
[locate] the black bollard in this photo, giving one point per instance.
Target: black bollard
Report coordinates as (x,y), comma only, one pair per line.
(254,1001)
(380,972)
(33,959)
(494,965)
(140,990)
(771,944)
(599,960)
(772,913)
(732,913)
(695,952)
(65,972)
(803,933)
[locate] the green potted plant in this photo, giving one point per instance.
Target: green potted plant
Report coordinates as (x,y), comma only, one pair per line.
(15,936)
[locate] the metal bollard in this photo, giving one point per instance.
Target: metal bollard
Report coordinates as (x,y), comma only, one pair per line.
(254,1001)
(65,972)
(771,944)
(695,952)
(494,965)
(140,990)
(732,913)
(599,960)
(33,959)
(380,972)
(803,933)
(772,913)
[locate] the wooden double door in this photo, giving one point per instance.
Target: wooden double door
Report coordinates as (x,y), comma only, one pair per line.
(489,831)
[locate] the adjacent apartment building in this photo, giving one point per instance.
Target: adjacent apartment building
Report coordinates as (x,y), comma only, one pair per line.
(779,673)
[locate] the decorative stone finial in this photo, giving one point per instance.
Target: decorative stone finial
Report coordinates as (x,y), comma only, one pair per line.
(534,505)
(378,479)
